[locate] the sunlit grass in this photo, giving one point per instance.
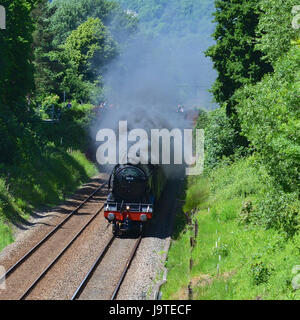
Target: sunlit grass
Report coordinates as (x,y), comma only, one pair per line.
(231,260)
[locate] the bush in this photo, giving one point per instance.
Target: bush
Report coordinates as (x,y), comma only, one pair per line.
(49,107)
(222,250)
(274,39)
(246,212)
(259,272)
(196,195)
(220,138)
(270,118)
(279,210)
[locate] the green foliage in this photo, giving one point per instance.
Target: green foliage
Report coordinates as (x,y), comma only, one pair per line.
(275,31)
(220,138)
(86,51)
(222,250)
(72,129)
(6,237)
(259,272)
(240,179)
(159,17)
(255,263)
(202,120)
(75,68)
(45,69)
(70,14)
(178,265)
(44,181)
(196,195)
(35,168)
(225,210)
(269,113)
(89,41)
(16,77)
(266,108)
(279,210)
(50,52)
(49,106)
(235,57)
(74,41)
(245,215)
(253,210)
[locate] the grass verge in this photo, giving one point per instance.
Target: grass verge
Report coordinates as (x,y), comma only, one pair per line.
(231,259)
(44,182)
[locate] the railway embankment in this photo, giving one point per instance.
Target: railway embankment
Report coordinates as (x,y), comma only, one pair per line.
(221,248)
(56,168)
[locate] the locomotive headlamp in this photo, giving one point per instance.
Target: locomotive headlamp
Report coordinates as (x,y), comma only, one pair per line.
(127,208)
(143,217)
(111,216)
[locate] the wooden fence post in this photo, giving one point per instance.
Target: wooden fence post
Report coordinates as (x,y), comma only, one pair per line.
(190,291)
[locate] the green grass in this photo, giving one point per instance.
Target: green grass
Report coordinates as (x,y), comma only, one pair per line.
(6,237)
(44,182)
(49,165)
(255,263)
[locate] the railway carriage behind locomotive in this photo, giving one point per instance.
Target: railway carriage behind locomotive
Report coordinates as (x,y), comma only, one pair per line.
(134,192)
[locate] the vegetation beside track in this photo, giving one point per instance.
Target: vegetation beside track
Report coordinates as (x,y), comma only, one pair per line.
(51,173)
(256,263)
(51,74)
(246,205)
(53,56)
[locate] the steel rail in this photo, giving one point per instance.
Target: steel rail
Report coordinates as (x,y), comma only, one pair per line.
(52,232)
(127,266)
(90,273)
(44,272)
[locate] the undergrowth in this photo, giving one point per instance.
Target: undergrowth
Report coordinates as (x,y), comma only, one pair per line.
(240,253)
(46,174)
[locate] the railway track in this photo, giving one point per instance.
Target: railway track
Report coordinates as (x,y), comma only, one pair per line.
(116,287)
(15,268)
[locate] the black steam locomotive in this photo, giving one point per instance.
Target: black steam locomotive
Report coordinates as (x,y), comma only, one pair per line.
(134,191)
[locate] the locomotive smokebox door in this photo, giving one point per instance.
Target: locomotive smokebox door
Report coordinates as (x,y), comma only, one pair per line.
(135,189)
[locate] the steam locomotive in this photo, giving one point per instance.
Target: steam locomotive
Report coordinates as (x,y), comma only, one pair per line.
(134,192)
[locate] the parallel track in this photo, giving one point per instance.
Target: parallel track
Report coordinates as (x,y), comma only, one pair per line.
(90,273)
(127,266)
(44,272)
(23,259)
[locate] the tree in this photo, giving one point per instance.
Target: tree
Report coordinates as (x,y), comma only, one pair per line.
(69,15)
(159,17)
(57,70)
(220,138)
(45,68)
(85,53)
(16,76)
(274,38)
(270,118)
(234,55)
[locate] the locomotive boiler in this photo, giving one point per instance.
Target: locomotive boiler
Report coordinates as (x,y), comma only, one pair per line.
(134,193)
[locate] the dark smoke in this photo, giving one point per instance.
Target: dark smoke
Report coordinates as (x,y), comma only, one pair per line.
(152,76)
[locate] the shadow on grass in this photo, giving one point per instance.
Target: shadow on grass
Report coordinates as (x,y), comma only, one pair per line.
(43,183)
